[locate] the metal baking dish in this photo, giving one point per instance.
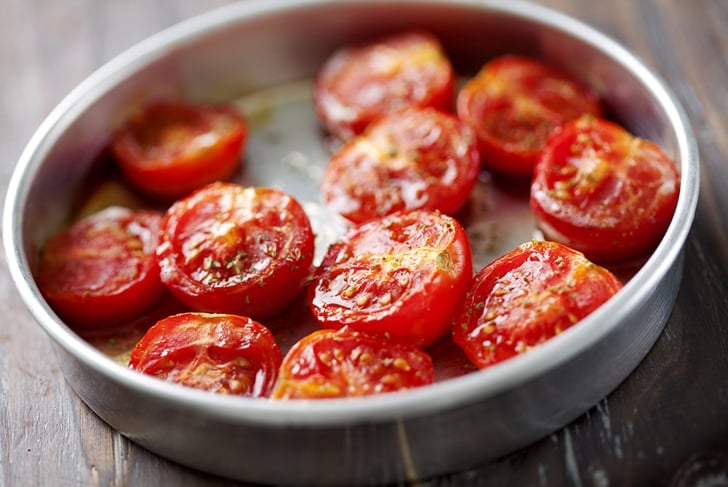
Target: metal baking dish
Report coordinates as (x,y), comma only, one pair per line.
(262,54)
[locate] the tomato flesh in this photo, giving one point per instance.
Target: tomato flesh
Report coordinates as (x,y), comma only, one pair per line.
(402,276)
(219,353)
(345,363)
(171,148)
(604,192)
(358,84)
(232,249)
(408,160)
(101,271)
(515,103)
(527,296)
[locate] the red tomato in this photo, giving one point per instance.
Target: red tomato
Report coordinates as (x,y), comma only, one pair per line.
(515,104)
(603,191)
(231,249)
(408,160)
(170,148)
(402,276)
(346,363)
(360,83)
(101,270)
(221,353)
(527,296)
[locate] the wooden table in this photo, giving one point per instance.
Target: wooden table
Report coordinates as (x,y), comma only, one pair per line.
(667,424)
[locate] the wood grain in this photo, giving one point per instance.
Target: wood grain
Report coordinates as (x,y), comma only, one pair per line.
(666,425)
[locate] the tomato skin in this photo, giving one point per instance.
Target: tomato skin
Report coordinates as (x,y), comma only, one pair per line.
(526,297)
(515,103)
(170,148)
(358,84)
(345,363)
(101,270)
(408,160)
(402,276)
(239,250)
(604,192)
(220,353)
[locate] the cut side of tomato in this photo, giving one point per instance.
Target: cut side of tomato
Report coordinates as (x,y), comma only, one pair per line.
(402,276)
(409,160)
(220,353)
(101,270)
(527,296)
(601,190)
(169,148)
(345,363)
(515,103)
(232,249)
(358,84)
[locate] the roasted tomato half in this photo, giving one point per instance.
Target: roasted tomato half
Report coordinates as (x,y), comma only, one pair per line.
(358,84)
(526,297)
(402,276)
(101,271)
(345,363)
(408,160)
(170,148)
(515,103)
(602,191)
(220,353)
(232,249)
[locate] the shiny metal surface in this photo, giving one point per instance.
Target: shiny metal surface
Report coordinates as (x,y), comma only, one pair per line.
(247,48)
